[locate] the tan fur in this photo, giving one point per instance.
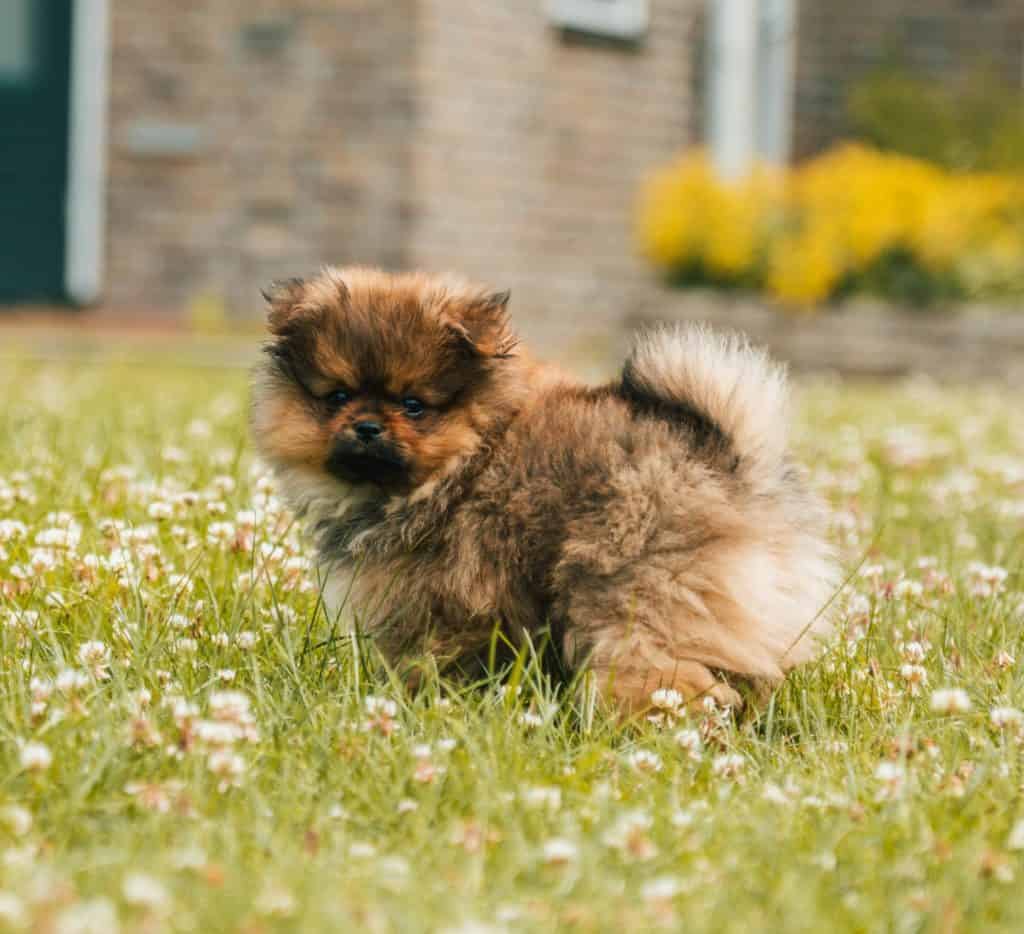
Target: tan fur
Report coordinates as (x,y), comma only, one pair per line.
(654,524)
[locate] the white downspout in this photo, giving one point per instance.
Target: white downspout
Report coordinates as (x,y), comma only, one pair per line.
(732,79)
(85,207)
(775,81)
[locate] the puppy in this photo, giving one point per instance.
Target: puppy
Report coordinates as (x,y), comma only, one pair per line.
(653,526)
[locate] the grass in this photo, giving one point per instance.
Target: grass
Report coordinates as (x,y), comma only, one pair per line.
(146,569)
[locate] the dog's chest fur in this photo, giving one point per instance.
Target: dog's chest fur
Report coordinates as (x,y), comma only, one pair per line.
(438,564)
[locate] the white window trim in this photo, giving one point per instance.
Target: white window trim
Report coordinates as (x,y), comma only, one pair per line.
(617,19)
(85,207)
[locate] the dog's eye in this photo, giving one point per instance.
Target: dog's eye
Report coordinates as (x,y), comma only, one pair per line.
(413,407)
(336,399)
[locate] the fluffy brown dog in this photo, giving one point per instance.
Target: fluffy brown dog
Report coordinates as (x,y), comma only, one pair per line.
(654,524)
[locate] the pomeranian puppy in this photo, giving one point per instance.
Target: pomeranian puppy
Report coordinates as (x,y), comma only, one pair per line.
(654,526)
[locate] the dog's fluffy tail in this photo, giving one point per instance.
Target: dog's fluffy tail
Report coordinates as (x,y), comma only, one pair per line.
(720,381)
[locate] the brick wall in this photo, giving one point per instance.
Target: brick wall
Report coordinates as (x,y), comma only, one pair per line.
(531,146)
(252,140)
(258,139)
(840,41)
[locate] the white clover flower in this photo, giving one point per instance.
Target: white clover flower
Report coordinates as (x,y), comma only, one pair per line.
(41,689)
(905,589)
(728,765)
(56,600)
(916,677)
(199,429)
(891,776)
(17,819)
(427,772)
(174,455)
(71,681)
(668,699)
(42,560)
(773,794)
(276,903)
(474,927)
(226,675)
(407,806)
(13,913)
(1006,717)
(393,871)
(1016,839)
(986,580)
(643,760)
(160,510)
(228,766)
(629,835)
(67,538)
(914,652)
(144,891)
(681,819)
(542,796)
(559,852)
(217,734)
(1004,660)
(95,657)
(690,742)
(190,859)
(661,889)
(246,639)
(36,757)
(223,484)
(950,701)
(182,711)
(380,706)
(186,646)
(219,533)
(231,706)
(11,529)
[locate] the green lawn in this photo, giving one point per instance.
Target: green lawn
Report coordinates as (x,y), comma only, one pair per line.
(183,746)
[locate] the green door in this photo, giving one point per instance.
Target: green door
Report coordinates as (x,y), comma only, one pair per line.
(35,54)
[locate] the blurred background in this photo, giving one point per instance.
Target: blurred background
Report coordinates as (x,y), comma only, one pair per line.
(843,180)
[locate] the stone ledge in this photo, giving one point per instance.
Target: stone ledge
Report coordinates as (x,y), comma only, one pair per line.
(861,339)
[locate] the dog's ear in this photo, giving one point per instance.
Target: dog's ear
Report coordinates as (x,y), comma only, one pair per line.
(481,324)
(283,297)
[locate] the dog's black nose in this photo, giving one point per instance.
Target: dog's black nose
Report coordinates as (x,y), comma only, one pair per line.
(368,431)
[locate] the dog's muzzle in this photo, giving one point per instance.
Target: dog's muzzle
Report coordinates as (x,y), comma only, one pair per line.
(372,460)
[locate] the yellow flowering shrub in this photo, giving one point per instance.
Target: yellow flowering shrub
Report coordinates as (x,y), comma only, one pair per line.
(853,219)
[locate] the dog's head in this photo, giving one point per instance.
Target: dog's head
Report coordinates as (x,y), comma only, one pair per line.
(380,379)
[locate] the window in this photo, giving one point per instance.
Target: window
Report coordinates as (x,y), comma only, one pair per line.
(17,41)
(613,19)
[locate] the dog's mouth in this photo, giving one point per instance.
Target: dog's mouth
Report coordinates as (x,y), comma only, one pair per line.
(378,463)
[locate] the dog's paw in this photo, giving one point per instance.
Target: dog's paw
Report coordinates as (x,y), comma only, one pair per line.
(724,697)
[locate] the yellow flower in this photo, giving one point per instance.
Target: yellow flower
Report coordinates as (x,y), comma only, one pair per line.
(801,233)
(804,268)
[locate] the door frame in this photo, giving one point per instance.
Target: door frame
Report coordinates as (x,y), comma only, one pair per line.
(85,208)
